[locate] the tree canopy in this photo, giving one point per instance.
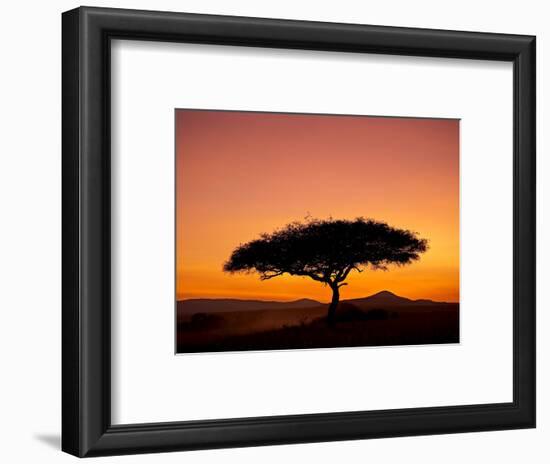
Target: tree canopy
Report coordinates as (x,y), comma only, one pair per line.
(326,250)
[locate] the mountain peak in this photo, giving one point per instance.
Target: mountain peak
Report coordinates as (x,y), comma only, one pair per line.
(385,297)
(385,293)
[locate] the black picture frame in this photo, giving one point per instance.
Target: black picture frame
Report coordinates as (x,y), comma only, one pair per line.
(86,287)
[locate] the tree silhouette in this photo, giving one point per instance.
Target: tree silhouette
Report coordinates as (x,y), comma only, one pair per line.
(327,251)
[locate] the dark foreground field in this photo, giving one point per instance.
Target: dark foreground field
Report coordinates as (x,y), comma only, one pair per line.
(380,320)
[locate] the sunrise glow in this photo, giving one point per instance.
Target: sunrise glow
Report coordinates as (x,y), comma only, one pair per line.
(239,174)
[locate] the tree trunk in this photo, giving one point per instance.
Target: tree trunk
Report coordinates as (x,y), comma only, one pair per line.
(331,316)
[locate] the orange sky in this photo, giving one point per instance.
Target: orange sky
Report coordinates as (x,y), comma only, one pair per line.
(239,174)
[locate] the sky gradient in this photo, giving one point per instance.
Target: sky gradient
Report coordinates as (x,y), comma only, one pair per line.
(239,174)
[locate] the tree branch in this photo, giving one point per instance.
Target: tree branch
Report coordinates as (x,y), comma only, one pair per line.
(270,276)
(311,275)
(346,273)
(339,274)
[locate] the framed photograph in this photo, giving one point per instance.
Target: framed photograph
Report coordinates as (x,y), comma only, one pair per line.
(239,170)
(285,231)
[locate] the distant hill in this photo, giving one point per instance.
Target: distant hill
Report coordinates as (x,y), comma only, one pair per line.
(387,299)
(222,305)
(381,300)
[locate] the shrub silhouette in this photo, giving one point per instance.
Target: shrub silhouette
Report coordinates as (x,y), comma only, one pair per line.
(348,312)
(327,251)
(205,321)
(378,315)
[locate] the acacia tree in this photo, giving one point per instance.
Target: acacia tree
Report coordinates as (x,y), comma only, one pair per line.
(327,251)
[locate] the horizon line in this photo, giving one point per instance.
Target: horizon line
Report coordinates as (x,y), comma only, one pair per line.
(311,299)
